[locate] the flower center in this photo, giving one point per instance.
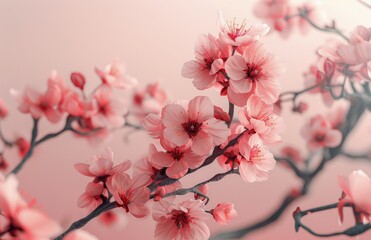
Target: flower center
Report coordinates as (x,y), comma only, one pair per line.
(319,137)
(176,154)
(191,128)
(181,218)
(253,71)
(125,201)
(236,30)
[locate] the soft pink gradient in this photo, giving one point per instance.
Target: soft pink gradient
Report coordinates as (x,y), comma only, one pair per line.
(154,39)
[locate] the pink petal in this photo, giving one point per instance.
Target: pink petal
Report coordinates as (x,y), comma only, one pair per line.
(161,159)
(83,168)
(176,135)
(235,67)
(247,172)
(174,114)
(202,143)
(200,109)
(177,170)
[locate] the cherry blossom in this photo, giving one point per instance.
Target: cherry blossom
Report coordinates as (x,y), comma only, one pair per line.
(319,134)
(114,75)
(194,125)
(256,71)
(183,221)
(130,194)
(256,161)
(223,213)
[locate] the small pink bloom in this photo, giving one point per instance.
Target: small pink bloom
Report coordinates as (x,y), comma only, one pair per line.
(224,213)
(292,153)
(91,198)
(80,235)
(238,35)
(130,194)
(195,125)
(111,111)
(38,104)
(205,68)
(78,80)
(150,100)
(177,160)
(114,75)
(357,190)
(256,161)
(256,71)
(319,134)
(26,223)
(258,118)
(101,167)
(3,109)
(183,221)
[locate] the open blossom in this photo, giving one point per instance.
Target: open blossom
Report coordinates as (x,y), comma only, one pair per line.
(223,213)
(3,109)
(195,125)
(130,194)
(238,34)
(150,100)
(258,118)
(40,104)
(176,160)
(204,69)
(256,161)
(101,167)
(319,133)
(255,72)
(153,125)
(23,221)
(357,190)
(110,111)
(182,222)
(114,75)
(91,198)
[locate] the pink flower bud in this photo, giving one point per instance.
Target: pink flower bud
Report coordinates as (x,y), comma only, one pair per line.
(3,110)
(224,213)
(78,80)
(220,114)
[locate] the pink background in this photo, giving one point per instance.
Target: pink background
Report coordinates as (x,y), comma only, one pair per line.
(154,39)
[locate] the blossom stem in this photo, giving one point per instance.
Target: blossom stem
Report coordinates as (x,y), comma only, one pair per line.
(364,3)
(357,229)
(193,189)
(5,141)
(104,207)
(230,113)
(332,29)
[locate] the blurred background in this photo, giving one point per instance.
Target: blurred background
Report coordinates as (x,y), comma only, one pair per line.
(154,39)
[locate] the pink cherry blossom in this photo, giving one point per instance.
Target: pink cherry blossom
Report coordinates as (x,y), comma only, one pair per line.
(91,198)
(258,118)
(3,109)
(130,194)
(256,71)
(25,222)
(40,104)
(182,222)
(236,34)
(80,235)
(357,190)
(292,153)
(101,168)
(256,161)
(150,100)
(111,110)
(319,134)
(114,75)
(205,68)
(223,213)
(195,125)
(177,160)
